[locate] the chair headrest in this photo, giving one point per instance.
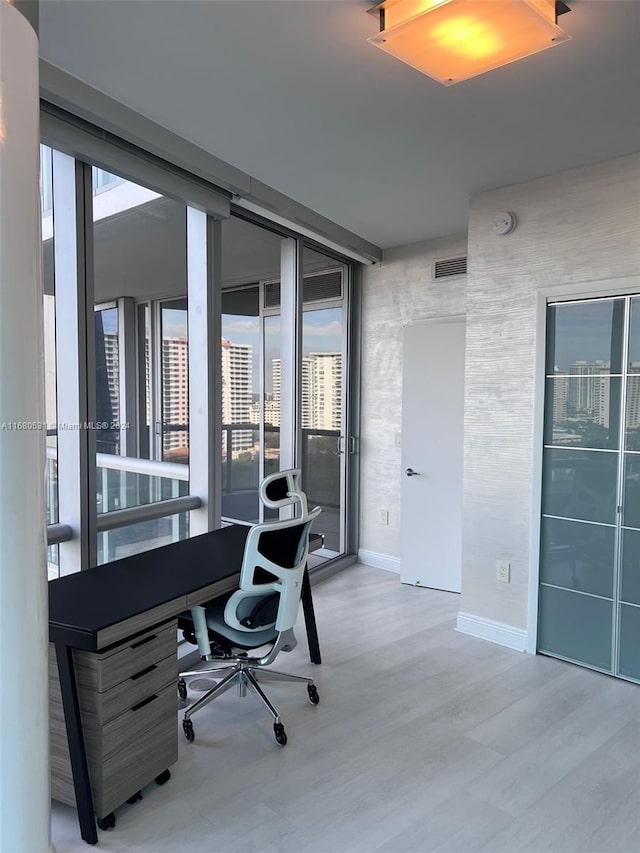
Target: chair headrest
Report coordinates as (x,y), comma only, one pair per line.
(282,489)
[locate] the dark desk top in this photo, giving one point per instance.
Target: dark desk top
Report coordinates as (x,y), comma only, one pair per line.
(85,603)
(89,601)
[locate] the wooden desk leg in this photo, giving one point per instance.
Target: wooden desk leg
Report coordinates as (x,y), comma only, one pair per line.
(75,737)
(310,619)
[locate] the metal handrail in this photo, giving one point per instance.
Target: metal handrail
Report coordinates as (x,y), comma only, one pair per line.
(147,512)
(57,533)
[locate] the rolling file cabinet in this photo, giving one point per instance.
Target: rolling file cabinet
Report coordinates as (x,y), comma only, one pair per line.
(127,699)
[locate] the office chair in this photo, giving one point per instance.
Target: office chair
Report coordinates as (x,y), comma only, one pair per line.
(262,611)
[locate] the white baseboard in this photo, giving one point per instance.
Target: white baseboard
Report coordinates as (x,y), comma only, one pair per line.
(379,561)
(495,632)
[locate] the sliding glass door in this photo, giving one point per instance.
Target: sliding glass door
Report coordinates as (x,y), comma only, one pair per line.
(258,374)
(589,605)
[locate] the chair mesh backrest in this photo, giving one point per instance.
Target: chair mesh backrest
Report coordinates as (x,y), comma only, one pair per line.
(274,561)
(283,546)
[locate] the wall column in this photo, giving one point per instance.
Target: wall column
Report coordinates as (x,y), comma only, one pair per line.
(24,743)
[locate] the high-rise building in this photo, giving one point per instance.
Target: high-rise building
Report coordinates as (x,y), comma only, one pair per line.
(326,395)
(560,397)
(175,395)
(633,396)
(582,388)
(320,392)
(237,390)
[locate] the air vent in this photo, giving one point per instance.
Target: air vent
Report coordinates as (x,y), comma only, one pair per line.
(272,295)
(326,285)
(450,267)
(316,288)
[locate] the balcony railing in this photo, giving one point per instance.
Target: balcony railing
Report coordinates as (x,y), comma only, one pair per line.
(320,464)
(140,504)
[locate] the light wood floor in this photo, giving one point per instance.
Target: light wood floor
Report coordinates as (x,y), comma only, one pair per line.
(424,740)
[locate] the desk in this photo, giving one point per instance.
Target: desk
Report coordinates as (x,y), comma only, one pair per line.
(95,610)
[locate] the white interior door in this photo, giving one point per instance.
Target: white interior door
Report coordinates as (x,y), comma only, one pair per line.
(432,454)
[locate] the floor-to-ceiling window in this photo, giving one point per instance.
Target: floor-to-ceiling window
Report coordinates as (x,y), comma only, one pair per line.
(139,249)
(589,602)
(147,281)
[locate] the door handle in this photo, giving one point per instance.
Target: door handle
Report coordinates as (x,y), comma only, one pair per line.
(411,473)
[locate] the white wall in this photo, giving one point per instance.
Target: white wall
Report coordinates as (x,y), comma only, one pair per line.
(396,292)
(577,226)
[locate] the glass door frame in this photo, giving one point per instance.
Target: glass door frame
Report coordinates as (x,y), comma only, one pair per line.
(606,289)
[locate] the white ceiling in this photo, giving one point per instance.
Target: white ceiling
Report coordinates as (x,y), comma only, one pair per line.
(290,92)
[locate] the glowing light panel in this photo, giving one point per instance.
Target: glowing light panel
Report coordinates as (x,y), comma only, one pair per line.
(453,40)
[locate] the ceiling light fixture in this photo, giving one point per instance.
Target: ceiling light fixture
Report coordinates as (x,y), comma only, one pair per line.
(452,40)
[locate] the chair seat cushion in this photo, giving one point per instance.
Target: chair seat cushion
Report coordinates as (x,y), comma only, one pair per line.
(242,639)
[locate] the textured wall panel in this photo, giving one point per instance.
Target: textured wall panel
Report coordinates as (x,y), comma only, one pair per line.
(578,226)
(396,292)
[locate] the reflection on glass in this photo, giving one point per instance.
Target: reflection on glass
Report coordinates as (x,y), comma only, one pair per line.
(579,484)
(631,502)
(632,416)
(577,556)
(49,317)
(585,338)
(323,397)
(115,544)
(240,406)
(630,567)
(582,412)
(629,659)
(634,336)
(175,382)
(575,626)
(141,346)
(53,562)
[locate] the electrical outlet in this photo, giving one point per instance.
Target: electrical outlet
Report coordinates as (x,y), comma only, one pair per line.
(503,571)
(383,517)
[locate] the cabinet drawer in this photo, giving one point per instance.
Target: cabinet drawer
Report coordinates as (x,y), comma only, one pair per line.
(135,765)
(102,741)
(141,684)
(101,672)
(113,780)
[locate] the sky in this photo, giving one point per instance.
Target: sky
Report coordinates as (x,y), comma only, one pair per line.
(322,332)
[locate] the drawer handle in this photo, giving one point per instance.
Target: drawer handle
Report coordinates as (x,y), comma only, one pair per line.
(144,702)
(143,672)
(143,642)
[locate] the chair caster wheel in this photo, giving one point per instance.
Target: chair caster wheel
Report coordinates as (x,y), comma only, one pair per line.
(281,735)
(135,798)
(163,777)
(312,690)
(187,728)
(107,822)
(182,688)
